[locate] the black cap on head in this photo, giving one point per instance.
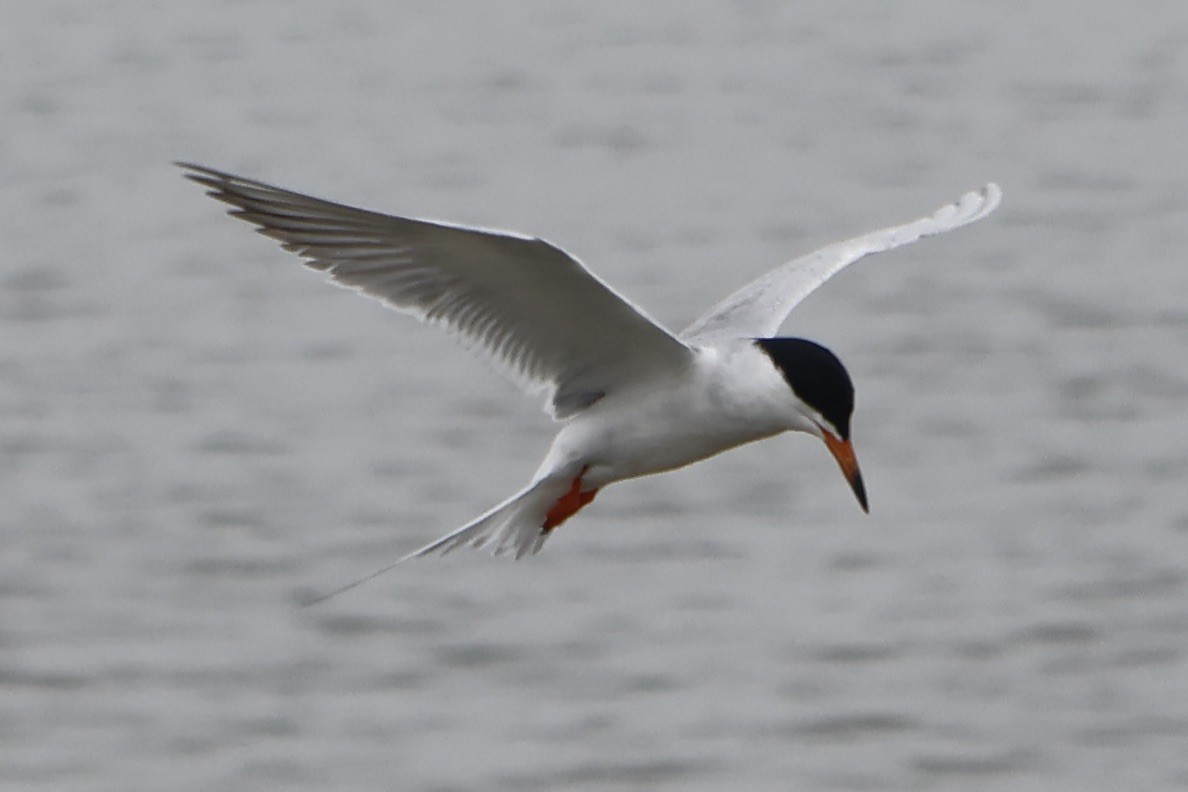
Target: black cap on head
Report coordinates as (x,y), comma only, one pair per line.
(816,376)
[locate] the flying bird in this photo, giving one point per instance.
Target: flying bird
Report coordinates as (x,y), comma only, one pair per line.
(633,398)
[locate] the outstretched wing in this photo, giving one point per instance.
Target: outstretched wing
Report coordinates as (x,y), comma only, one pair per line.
(758,309)
(534,308)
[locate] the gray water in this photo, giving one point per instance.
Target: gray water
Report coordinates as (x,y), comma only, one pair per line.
(196,434)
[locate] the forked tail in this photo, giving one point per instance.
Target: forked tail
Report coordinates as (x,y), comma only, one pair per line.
(517,526)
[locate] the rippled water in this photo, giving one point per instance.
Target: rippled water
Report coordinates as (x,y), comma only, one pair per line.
(195,434)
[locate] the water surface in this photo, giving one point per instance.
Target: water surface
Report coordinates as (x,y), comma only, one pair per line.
(196,434)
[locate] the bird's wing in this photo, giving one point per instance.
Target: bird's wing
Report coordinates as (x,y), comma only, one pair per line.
(530,305)
(758,309)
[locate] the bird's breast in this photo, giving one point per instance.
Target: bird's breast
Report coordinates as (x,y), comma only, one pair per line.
(668,425)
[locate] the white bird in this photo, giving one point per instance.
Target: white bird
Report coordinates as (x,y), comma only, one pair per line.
(634,398)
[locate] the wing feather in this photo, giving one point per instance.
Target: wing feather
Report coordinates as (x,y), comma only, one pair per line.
(531,306)
(758,309)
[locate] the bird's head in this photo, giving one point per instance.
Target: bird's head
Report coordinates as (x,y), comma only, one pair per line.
(824,396)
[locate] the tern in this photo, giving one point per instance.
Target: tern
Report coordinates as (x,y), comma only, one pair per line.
(633,398)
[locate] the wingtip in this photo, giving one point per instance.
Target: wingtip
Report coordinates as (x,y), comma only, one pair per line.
(992,194)
(192,169)
(213,177)
(972,206)
(200,174)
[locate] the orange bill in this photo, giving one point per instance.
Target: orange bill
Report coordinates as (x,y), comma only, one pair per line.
(843,452)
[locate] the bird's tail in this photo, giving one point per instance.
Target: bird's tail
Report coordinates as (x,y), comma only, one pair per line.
(517,526)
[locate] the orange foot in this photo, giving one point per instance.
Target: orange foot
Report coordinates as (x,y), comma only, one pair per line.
(569,503)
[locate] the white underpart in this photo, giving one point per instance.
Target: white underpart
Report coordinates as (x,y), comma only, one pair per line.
(637,399)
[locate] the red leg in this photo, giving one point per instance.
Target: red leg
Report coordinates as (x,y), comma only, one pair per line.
(569,503)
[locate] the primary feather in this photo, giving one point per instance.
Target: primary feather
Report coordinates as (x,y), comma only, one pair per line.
(758,309)
(531,306)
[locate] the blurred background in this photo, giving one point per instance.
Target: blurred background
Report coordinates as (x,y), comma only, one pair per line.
(196,433)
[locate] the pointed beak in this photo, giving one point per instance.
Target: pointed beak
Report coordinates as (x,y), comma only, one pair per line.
(843,452)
